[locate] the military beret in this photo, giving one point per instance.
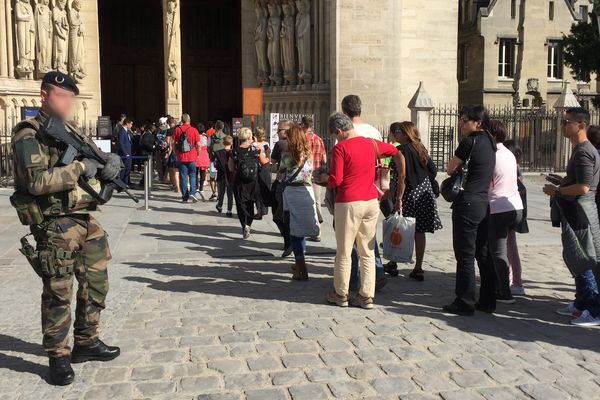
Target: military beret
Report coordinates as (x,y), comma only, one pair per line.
(63,81)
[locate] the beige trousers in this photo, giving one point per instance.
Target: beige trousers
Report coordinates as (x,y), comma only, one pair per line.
(355,222)
(318,191)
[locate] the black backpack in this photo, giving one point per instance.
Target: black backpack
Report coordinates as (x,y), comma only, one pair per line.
(183,144)
(247,164)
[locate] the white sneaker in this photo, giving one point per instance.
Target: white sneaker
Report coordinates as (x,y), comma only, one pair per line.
(194,198)
(517,290)
(586,319)
(569,310)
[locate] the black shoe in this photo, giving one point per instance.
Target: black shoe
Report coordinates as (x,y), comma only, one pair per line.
(61,373)
(287,252)
(509,299)
(391,268)
(229,214)
(458,310)
(485,309)
(380,283)
(96,352)
(219,209)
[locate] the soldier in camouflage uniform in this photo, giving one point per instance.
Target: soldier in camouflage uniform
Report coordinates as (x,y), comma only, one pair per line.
(71,244)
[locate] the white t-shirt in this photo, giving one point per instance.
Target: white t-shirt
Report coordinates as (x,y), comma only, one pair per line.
(368,131)
(504,191)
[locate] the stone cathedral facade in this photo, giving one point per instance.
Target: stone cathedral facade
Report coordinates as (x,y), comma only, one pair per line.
(148,58)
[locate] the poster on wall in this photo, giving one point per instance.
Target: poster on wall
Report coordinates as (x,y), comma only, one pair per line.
(274,122)
(236,126)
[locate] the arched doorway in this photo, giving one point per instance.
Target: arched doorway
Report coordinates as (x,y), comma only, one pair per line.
(131,58)
(211,59)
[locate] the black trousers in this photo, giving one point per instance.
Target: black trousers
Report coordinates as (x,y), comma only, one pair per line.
(470,217)
(499,227)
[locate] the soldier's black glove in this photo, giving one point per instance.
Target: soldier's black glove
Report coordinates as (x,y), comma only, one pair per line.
(112,168)
(91,168)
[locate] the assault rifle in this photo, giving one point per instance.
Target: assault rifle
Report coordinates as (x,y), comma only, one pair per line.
(77,149)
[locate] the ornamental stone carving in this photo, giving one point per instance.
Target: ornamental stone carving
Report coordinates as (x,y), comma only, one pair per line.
(274,37)
(172,49)
(25,30)
(261,42)
(303,41)
(61,36)
(288,42)
(76,42)
(43,22)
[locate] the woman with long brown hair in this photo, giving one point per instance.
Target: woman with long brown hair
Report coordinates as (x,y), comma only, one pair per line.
(414,189)
(298,197)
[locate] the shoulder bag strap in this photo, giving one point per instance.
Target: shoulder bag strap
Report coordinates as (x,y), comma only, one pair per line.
(297,172)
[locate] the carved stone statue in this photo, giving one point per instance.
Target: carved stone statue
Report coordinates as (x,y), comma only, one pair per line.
(172,31)
(260,42)
(288,42)
(76,42)
(274,47)
(43,22)
(61,36)
(25,38)
(303,41)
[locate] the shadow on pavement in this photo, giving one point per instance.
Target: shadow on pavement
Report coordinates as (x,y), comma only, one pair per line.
(18,364)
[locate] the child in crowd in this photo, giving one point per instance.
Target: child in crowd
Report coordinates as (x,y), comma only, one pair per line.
(223,177)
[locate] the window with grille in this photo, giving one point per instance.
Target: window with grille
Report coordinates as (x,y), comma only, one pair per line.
(555,59)
(506,58)
(463,67)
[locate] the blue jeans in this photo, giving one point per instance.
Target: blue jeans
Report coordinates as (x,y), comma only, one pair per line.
(586,293)
(299,247)
(187,170)
(354,278)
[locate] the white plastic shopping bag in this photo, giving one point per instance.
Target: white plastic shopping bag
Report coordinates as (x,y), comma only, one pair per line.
(399,238)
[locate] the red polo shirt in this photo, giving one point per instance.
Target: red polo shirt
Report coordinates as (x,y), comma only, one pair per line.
(193,137)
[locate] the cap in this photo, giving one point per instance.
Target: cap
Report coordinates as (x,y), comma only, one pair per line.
(63,81)
(162,120)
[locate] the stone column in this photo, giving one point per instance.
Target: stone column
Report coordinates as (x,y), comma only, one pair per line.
(3,56)
(420,110)
(10,59)
(172,52)
(565,101)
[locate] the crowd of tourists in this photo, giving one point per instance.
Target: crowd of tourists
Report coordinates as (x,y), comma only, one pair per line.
(366,176)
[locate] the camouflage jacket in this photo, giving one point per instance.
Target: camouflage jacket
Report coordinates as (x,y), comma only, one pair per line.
(37,178)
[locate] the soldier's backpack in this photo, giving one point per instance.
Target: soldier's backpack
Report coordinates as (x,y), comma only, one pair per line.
(183,143)
(247,164)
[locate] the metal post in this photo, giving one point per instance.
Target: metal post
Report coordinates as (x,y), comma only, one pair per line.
(150,171)
(147,185)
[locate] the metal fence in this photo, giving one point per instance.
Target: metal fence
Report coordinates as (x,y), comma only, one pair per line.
(535,131)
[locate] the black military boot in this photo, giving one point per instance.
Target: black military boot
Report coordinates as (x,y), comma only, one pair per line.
(61,373)
(96,352)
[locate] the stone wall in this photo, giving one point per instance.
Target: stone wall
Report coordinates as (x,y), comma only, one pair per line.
(19,88)
(385,47)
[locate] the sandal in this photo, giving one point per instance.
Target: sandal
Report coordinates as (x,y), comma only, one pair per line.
(391,268)
(417,274)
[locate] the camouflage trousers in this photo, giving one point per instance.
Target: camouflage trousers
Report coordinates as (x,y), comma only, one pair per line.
(81,233)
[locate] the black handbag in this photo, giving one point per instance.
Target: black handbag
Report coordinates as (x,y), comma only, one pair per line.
(453,186)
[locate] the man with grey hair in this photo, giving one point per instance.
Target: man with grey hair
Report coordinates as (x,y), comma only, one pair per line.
(186,144)
(356,210)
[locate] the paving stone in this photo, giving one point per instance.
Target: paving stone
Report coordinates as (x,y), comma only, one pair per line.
(246,381)
(312,333)
(193,341)
(106,392)
(203,353)
(542,391)
(434,383)
(410,353)
(339,358)
(473,361)
(148,373)
(326,375)
(199,384)
(393,385)
(267,394)
(461,395)
(335,344)
(228,366)
(375,355)
(578,388)
(400,369)
(302,346)
(301,361)
(264,363)
(506,376)
(470,379)
(365,372)
(502,393)
(219,396)
(544,374)
(436,366)
(237,337)
(112,375)
(309,392)
(418,396)
(276,335)
(270,348)
(350,389)
(169,356)
(150,389)
(287,378)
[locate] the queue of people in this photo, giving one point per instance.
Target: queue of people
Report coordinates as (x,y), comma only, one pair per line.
(488,212)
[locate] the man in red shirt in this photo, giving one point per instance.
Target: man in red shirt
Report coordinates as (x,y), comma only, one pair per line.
(186,144)
(319,158)
(356,207)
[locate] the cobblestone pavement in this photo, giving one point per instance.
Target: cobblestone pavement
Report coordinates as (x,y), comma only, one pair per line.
(201,314)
